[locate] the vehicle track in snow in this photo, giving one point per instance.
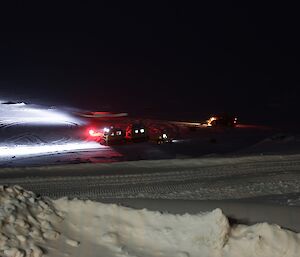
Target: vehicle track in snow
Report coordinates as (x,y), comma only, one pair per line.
(32,139)
(229,181)
(5,124)
(24,133)
(25,138)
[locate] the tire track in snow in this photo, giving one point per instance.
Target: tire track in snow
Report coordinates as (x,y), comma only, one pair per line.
(5,124)
(210,182)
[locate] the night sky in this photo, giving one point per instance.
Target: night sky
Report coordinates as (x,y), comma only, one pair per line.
(170,58)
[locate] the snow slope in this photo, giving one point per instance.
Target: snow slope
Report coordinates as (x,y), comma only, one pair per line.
(12,114)
(35,227)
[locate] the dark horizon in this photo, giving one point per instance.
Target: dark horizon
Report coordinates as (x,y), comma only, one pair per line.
(171,58)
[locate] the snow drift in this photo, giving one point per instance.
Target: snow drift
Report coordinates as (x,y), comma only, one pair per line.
(32,226)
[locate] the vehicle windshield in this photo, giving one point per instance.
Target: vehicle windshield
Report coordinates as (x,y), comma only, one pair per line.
(145,130)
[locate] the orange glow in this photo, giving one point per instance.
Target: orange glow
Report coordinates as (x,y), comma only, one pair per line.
(209,122)
(93,133)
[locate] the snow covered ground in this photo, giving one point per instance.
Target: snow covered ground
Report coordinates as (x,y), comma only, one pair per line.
(35,135)
(32,135)
(33,226)
(239,170)
(272,179)
(16,113)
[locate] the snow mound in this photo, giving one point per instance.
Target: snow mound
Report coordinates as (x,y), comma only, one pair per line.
(126,232)
(33,227)
(25,223)
(262,240)
(110,230)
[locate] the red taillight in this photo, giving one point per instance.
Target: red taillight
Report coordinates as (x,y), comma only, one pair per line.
(91,132)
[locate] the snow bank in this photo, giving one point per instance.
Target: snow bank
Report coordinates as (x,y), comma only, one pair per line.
(25,223)
(127,232)
(33,227)
(262,240)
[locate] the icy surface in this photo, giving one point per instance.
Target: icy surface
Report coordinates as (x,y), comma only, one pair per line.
(31,226)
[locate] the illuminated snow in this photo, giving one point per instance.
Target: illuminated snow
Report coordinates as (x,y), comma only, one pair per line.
(25,150)
(32,114)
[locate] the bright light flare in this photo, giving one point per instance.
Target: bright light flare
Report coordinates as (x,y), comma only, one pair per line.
(178,140)
(94,133)
(27,150)
(211,119)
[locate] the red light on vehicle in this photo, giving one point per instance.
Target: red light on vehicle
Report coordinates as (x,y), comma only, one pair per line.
(94,133)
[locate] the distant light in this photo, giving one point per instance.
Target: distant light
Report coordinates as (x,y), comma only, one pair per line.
(211,119)
(164,136)
(136,131)
(119,133)
(112,134)
(91,132)
(25,150)
(142,130)
(106,130)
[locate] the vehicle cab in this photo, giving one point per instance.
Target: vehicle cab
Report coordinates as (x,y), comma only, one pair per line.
(137,132)
(113,135)
(223,120)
